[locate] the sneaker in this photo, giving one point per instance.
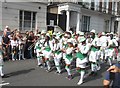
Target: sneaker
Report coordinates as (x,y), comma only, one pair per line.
(69,77)
(56,72)
(80,82)
(59,73)
(98,68)
(5,76)
(48,70)
(13,59)
(41,66)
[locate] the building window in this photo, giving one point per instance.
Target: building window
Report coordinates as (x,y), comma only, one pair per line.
(27,20)
(92,5)
(105,6)
(107,26)
(85,23)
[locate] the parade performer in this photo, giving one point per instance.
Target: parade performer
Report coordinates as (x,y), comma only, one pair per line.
(93,54)
(112,43)
(81,54)
(57,47)
(47,51)
(68,57)
(38,51)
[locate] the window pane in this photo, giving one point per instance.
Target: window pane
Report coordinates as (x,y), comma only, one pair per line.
(33,24)
(27,15)
(34,16)
(85,23)
(20,14)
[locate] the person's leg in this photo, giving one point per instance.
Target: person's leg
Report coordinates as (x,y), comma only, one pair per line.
(82,72)
(1,71)
(57,64)
(31,53)
(67,67)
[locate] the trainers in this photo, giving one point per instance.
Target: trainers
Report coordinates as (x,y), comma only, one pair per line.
(98,68)
(69,77)
(80,82)
(48,70)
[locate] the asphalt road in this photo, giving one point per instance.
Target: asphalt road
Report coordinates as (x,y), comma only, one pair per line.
(26,73)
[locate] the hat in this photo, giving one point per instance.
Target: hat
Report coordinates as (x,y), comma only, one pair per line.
(108,34)
(43,32)
(6,26)
(54,33)
(69,41)
(103,33)
(57,37)
(93,31)
(48,34)
(38,35)
(82,39)
(111,33)
(66,35)
(81,33)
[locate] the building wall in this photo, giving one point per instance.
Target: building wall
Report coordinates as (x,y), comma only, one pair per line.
(0,16)
(73,19)
(10,13)
(97,20)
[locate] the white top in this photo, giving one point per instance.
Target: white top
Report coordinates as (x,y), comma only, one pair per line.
(14,43)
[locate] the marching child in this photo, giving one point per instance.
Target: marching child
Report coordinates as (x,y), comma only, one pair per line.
(68,57)
(47,52)
(57,47)
(38,51)
(82,59)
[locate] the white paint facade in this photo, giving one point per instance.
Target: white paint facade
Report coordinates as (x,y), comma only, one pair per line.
(98,20)
(11,14)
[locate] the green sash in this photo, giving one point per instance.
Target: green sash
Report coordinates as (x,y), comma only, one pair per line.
(37,47)
(94,49)
(47,48)
(80,55)
(69,56)
(57,52)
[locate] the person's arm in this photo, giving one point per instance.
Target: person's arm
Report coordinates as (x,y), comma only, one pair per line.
(107,80)
(106,83)
(114,69)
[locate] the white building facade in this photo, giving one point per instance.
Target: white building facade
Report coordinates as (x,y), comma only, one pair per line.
(90,14)
(24,16)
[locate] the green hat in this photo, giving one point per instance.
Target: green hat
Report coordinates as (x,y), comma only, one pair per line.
(82,39)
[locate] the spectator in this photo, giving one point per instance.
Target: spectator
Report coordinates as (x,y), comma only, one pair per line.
(112,76)
(6,45)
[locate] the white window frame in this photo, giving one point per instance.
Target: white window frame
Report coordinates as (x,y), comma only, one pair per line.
(23,28)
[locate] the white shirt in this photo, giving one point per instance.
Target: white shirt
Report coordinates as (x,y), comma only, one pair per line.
(14,43)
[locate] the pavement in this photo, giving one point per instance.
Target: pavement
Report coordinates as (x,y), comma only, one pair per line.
(26,73)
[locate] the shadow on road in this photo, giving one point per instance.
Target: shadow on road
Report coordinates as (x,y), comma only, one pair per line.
(20,72)
(104,67)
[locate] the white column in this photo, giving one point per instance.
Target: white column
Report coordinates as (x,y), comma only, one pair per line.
(78,22)
(119,27)
(1,16)
(68,20)
(31,19)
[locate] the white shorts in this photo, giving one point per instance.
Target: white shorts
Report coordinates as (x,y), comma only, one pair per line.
(58,55)
(47,54)
(93,56)
(68,61)
(81,63)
